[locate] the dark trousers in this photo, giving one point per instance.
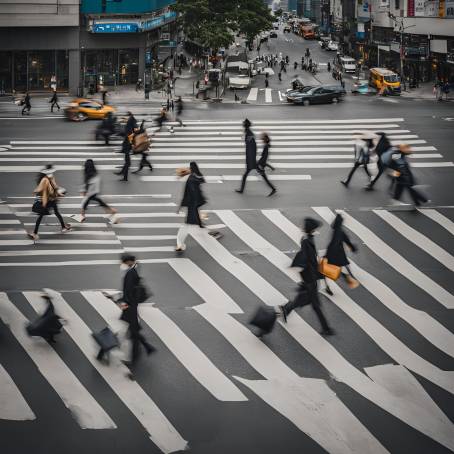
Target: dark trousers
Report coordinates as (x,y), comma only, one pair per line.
(261,173)
(416,196)
(125,169)
(26,108)
(308,294)
(94,198)
(144,162)
(50,205)
(353,170)
(54,103)
(137,339)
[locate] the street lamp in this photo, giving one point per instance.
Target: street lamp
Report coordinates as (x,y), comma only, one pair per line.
(400,22)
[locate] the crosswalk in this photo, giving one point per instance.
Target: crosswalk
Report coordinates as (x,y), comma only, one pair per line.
(400,314)
(300,148)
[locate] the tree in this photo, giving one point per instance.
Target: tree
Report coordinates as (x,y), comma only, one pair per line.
(278,12)
(213,23)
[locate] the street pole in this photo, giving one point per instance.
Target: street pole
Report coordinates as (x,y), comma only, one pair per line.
(402,53)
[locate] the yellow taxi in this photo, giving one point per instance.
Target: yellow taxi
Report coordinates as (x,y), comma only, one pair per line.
(385,80)
(81,109)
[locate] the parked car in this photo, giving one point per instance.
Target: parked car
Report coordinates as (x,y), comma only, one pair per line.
(362,87)
(287,29)
(320,95)
(273,34)
(81,109)
(332,45)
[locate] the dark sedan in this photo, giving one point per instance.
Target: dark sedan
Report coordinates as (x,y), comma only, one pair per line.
(291,95)
(320,95)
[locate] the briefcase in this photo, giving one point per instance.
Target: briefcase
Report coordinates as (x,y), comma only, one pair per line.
(329,270)
(106,339)
(264,318)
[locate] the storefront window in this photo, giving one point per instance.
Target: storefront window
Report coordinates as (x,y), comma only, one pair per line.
(41,67)
(20,71)
(62,69)
(5,71)
(128,66)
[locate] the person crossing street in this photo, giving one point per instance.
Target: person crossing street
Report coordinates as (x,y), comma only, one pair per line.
(54,101)
(262,163)
(306,260)
(26,102)
(362,146)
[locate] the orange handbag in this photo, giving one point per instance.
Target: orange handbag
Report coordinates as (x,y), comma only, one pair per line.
(328,270)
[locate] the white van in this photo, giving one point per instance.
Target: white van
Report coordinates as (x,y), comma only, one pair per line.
(348,64)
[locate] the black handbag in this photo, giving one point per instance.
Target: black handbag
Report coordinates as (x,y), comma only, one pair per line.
(106,339)
(39,209)
(264,318)
(141,292)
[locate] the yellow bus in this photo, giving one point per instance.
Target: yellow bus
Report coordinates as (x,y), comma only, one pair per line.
(382,78)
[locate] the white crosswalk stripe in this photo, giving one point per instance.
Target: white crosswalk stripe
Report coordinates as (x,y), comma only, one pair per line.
(218,145)
(308,403)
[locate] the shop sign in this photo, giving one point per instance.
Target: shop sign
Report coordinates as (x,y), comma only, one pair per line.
(450,9)
(148,57)
(168,43)
(410,8)
(418,51)
(158,21)
(395,46)
(420,7)
(115,27)
(363,9)
(431,9)
(360,33)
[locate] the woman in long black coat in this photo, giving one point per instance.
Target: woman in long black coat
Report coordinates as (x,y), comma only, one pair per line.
(193,199)
(335,253)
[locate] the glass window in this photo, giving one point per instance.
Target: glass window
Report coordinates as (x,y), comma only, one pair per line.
(5,71)
(393,78)
(128,66)
(62,69)
(20,71)
(41,68)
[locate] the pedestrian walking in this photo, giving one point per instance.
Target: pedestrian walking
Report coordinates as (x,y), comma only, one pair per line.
(162,118)
(106,128)
(306,260)
(104,97)
(335,253)
(193,199)
(26,102)
(92,189)
(126,150)
(138,85)
(262,163)
(404,178)
(383,145)
(134,293)
(47,193)
(251,153)
(141,145)
(361,155)
(48,324)
(54,101)
(280,76)
(179,110)
(295,66)
(329,67)
(266,83)
(131,124)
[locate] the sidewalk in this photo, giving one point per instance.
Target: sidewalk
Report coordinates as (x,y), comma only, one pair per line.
(424,91)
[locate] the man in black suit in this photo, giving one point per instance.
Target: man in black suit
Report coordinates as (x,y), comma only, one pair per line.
(251,153)
(129,305)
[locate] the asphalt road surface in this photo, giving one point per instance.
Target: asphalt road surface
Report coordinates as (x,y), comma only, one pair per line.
(383,383)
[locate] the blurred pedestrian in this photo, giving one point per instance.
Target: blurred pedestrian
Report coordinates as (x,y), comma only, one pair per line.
(104,96)
(306,261)
(193,199)
(266,83)
(138,85)
(134,293)
(126,148)
(47,193)
(106,128)
(262,163)
(251,153)
(404,178)
(335,253)
(383,145)
(48,324)
(54,101)
(140,140)
(162,118)
(91,190)
(361,156)
(131,124)
(295,66)
(26,102)
(280,76)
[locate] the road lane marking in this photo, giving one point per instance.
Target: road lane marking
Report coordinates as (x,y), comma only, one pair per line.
(161,431)
(417,238)
(436,333)
(393,259)
(439,218)
(252,96)
(13,405)
(84,408)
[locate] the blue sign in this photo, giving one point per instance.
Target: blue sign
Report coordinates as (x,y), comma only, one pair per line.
(115,27)
(156,22)
(148,57)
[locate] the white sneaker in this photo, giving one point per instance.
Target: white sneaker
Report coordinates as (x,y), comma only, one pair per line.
(180,248)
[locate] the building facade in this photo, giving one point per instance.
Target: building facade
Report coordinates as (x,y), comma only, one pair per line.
(80,45)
